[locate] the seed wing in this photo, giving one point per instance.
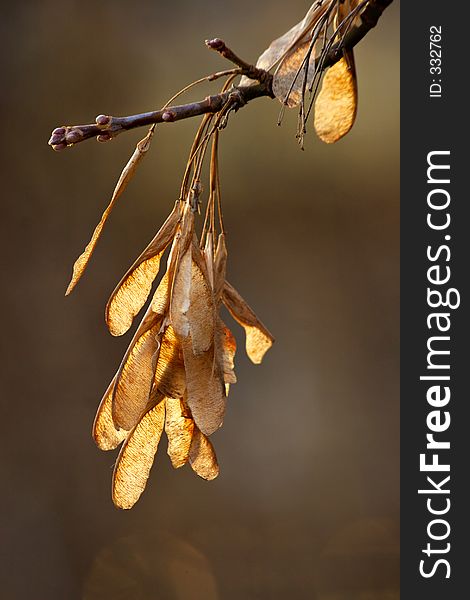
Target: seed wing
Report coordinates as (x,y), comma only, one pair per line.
(220,268)
(279,47)
(104,432)
(227,347)
(179,428)
(135,376)
(258,337)
(336,104)
(126,175)
(132,291)
(202,457)
(201,313)
(170,378)
(288,80)
(205,388)
(136,458)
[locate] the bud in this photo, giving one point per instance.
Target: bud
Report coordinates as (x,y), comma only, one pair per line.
(102,120)
(73,136)
(215,44)
(59,147)
(56,139)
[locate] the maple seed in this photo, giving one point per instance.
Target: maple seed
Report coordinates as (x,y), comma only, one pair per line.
(125,177)
(336,105)
(176,374)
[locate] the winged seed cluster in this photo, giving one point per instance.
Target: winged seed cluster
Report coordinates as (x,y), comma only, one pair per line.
(176,373)
(178,368)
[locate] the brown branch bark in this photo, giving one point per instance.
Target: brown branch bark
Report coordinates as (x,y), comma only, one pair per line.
(108,127)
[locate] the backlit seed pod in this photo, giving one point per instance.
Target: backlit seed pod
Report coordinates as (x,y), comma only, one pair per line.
(135,377)
(134,380)
(179,428)
(170,375)
(280,47)
(178,367)
(336,104)
(205,388)
(289,78)
(226,346)
(136,458)
(132,291)
(258,338)
(202,457)
(126,175)
(106,435)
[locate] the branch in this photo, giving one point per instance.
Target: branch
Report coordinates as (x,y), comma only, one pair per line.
(107,127)
(246,69)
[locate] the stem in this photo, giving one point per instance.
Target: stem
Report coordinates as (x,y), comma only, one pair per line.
(71,135)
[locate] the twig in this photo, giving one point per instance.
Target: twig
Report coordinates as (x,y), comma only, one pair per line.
(107,127)
(248,70)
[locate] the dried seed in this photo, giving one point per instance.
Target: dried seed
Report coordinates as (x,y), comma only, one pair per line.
(336,104)
(179,427)
(133,289)
(105,434)
(220,267)
(288,80)
(201,313)
(205,388)
(170,377)
(126,175)
(258,337)
(136,458)
(202,457)
(135,376)
(227,347)
(281,46)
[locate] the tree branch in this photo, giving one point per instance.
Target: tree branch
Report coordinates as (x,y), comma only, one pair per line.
(248,70)
(107,127)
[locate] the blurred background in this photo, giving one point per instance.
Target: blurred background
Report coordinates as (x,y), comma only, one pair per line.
(306,505)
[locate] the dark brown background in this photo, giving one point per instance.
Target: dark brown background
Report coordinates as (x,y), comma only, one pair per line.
(306,505)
